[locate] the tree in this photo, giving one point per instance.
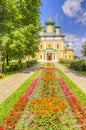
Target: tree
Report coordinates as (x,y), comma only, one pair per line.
(19,27)
(83,51)
(9,15)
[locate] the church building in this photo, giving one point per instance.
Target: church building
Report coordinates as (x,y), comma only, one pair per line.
(52,46)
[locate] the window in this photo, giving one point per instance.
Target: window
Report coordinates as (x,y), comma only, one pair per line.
(57,46)
(65,56)
(40,56)
(69,56)
(49,45)
(41,46)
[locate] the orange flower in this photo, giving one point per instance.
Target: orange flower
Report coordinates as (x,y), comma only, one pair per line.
(46,106)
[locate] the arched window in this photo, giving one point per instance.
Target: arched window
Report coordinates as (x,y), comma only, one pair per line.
(57,46)
(41,46)
(49,45)
(69,56)
(40,56)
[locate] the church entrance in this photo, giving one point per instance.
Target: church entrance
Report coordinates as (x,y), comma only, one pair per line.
(49,56)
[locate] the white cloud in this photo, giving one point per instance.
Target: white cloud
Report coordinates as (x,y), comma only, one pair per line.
(72,7)
(82,18)
(75,42)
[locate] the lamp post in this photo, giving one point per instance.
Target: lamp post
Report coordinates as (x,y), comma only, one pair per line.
(0,63)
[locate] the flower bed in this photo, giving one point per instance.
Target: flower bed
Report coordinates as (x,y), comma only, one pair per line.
(14,115)
(76,107)
(48,108)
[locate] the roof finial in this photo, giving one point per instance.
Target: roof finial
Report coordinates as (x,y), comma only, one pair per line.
(57,18)
(49,13)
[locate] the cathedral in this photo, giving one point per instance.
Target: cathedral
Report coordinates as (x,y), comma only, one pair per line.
(52,46)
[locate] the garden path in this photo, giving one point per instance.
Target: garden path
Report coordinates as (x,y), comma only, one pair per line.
(78,79)
(10,84)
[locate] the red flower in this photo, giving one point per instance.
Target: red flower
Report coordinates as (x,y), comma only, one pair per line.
(57,121)
(1,128)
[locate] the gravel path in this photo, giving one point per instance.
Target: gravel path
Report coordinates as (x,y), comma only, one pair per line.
(10,84)
(78,79)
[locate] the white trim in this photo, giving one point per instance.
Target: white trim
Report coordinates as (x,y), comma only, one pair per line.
(47,60)
(51,39)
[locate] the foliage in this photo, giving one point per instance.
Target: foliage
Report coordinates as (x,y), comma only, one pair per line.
(14,66)
(19,27)
(76,107)
(78,65)
(74,64)
(47,108)
(64,61)
(31,63)
(50,106)
(74,88)
(84,49)
(14,115)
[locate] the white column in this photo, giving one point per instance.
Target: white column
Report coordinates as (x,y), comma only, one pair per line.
(45,56)
(42,56)
(52,56)
(55,56)
(45,45)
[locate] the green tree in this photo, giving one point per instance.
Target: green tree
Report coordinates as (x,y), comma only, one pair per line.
(84,49)
(8,18)
(19,27)
(30,22)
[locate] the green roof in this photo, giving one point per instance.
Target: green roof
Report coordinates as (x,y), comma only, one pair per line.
(57,25)
(42,26)
(68,49)
(49,21)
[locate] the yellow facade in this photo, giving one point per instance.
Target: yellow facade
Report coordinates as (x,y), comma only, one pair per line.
(49,28)
(57,31)
(52,47)
(69,54)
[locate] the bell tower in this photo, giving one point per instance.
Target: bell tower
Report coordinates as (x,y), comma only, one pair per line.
(49,25)
(57,29)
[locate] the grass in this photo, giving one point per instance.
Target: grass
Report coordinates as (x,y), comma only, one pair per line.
(11,73)
(7,74)
(78,71)
(8,104)
(74,88)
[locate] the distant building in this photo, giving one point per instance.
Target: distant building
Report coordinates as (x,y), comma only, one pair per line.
(52,47)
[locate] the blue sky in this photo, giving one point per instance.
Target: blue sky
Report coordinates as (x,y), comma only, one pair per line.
(72,18)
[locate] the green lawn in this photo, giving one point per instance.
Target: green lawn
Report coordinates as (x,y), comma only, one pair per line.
(74,88)
(80,72)
(9,73)
(8,104)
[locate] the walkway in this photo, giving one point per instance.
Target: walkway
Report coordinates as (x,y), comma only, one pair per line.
(10,84)
(78,79)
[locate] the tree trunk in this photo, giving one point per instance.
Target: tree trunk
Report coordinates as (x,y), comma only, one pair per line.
(7,58)
(19,60)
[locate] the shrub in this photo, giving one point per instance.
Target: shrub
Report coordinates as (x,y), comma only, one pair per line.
(79,65)
(14,66)
(31,63)
(64,61)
